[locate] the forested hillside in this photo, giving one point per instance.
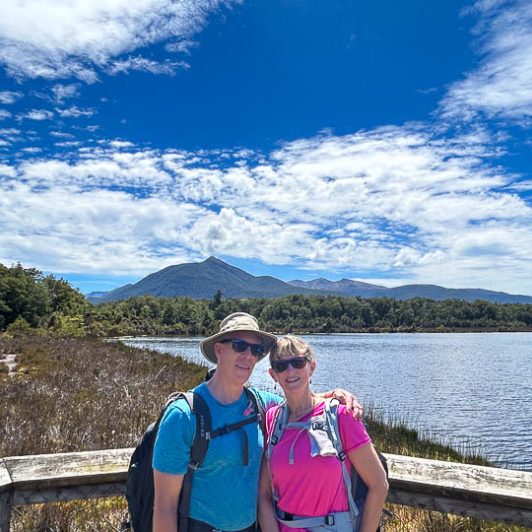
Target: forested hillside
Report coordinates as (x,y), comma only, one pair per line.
(31,303)
(151,315)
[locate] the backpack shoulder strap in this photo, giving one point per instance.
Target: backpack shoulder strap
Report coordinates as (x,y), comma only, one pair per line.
(198,451)
(258,407)
(331,415)
(278,427)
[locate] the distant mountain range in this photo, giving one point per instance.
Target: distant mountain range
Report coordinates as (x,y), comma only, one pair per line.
(203,279)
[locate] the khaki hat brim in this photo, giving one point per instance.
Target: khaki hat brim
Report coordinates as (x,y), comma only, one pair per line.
(207,345)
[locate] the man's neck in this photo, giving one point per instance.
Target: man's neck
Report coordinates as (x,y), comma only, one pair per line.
(223,391)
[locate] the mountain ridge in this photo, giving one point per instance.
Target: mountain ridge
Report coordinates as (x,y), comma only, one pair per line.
(201,280)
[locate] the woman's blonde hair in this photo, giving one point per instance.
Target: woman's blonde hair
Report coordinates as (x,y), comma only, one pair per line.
(291,345)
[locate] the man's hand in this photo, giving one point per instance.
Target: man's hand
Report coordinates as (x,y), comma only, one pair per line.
(349,400)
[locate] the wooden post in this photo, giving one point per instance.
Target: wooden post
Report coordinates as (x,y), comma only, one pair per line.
(6,497)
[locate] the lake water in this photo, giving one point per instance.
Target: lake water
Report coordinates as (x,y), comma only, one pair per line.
(471,391)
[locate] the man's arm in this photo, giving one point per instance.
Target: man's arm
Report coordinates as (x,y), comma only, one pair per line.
(167,491)
(348,399)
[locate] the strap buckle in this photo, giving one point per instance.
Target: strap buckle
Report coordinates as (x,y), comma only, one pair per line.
(193,464)
(329,520)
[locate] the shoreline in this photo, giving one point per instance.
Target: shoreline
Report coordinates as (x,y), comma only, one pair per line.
(307,331)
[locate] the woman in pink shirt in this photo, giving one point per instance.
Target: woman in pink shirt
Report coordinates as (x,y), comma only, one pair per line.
(302,468)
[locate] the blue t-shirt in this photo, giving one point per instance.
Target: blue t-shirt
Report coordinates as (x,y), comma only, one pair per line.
(224,491)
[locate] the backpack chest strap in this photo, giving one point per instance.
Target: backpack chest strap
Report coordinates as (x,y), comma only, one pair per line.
(316,427)
(239,425)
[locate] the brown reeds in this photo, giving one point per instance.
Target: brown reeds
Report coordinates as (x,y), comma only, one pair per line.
(81,395)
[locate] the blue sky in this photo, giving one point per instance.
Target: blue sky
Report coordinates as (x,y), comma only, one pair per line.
(381,141)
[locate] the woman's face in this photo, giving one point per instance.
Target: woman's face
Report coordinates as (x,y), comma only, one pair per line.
(293,372)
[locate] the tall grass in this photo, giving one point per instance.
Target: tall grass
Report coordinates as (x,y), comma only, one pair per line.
(80,394)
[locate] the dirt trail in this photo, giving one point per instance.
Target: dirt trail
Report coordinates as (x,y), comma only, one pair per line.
(11,362)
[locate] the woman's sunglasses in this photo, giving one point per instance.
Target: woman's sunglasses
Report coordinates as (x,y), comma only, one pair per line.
(241,345)
(297,363)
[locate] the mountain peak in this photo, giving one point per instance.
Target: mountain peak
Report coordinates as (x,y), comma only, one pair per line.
(202,280)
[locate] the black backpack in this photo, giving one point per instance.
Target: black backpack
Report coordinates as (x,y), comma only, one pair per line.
(139,482)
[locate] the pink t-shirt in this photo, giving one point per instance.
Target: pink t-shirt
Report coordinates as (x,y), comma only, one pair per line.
(312,486)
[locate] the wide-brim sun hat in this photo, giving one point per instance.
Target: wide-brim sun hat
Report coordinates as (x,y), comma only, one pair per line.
(237,322)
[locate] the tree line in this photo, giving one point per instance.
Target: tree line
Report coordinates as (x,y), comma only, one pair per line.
(37,304)
(33,303)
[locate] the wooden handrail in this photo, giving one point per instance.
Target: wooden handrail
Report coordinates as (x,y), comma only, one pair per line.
(494,494)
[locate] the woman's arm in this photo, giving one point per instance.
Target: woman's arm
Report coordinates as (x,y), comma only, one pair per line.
(167,491)
(369,467)
(267,520)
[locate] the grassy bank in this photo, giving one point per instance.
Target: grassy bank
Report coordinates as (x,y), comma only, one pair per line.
(79,394)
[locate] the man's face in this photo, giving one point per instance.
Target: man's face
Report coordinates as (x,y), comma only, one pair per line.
(233,363)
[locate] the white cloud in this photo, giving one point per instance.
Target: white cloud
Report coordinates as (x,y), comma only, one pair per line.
(146,65)
(7,171)
(5,114)
(7,97)
(501,87)
(62,92)
(75,112)
(36,114)
(390,201)
(184,46)
(61,134)
(67,144)
(10,135)
(120,144)
(79,38)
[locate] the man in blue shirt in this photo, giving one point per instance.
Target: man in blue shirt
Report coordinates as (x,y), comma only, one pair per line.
(225,488)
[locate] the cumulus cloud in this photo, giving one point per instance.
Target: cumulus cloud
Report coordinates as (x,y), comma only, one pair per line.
(501,87)
(36,114)
(62,92)
(4,114)
(79,39)
(75,112)
(389,201)
(7,97)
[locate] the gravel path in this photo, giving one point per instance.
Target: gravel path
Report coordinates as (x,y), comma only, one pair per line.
(11,362)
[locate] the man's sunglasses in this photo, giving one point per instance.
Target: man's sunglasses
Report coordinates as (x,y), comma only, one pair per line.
(241,345)
(297,363)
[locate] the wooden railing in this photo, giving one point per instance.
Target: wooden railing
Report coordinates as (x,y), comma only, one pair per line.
(494,494)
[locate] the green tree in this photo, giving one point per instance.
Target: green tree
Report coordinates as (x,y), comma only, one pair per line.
(20,327)
(22,294)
